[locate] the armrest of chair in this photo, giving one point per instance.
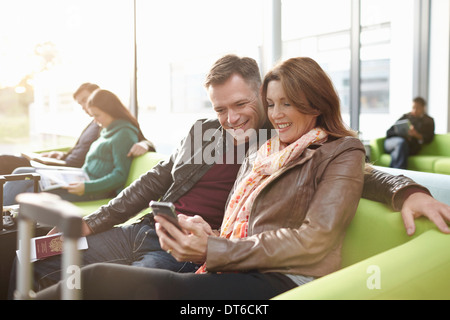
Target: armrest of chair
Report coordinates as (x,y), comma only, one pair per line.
(17,177)
(415,270)
(64,149)
(376,149)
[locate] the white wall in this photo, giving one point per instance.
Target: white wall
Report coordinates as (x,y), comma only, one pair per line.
(439,100)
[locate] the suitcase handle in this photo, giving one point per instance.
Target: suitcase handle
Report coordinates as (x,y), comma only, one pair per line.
(51,210)
(16,177)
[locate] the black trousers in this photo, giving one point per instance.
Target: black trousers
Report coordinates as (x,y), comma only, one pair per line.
(121,282)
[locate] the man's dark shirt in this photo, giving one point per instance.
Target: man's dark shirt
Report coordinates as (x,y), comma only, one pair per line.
(209,195)
(424,125)
(77,155)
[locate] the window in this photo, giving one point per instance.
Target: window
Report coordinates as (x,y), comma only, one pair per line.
(178,41)
(47,49)
(53,46)
(321,30)
(386,63)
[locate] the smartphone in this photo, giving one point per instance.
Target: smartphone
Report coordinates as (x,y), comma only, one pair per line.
(167,210)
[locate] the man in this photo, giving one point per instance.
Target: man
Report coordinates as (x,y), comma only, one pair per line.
(419,130)
(199,186)
(75,156)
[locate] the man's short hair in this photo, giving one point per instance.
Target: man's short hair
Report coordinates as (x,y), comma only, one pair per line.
(420,101)
(231,64)
(90,87)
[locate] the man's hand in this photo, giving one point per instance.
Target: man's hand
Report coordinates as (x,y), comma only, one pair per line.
(138,149)
(414,133)
(54,154)
(422,204)
(189,244)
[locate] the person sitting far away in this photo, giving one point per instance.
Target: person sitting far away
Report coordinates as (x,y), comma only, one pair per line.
(107,163)
(76,155)
(285,222)
(202,188)
(402,143)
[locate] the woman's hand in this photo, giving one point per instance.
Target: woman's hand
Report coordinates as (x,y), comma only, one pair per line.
(76,188)
(421,204)
(189,244)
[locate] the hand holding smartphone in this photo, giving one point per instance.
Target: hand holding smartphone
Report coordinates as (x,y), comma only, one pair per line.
(167,210)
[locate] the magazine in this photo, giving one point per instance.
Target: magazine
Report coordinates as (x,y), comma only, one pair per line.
(57,178)
(45,160)
(401,128)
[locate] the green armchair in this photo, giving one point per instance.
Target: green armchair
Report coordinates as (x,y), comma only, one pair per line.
(380,261)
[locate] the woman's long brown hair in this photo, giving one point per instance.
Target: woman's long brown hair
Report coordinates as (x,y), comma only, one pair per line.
(108,102)
(305,75)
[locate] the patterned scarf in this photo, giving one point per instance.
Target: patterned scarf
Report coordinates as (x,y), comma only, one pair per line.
(270,160)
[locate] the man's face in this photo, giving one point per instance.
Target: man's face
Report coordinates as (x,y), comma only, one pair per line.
(237,105)
(82,99)
(418,110)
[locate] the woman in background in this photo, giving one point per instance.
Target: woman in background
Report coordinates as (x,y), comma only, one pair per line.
(107,164)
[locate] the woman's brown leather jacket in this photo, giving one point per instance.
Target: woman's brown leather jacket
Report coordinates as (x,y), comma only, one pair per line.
(297,223)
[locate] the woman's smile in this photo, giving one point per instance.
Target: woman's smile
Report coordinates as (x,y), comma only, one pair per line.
(286,118)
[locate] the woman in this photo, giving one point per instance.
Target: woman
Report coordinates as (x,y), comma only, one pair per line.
(285,222)
(107,163)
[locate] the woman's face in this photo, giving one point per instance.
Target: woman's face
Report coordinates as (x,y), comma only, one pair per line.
(289,122)
(102,118)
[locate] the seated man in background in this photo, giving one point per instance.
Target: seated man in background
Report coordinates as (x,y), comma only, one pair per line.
(403,143)
(75,157)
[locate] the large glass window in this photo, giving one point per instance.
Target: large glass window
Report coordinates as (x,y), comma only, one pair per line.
(321,29)
(177,43)
(47,49)
(386,63)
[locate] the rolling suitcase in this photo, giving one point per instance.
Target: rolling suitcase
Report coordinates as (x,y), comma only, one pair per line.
(48,209)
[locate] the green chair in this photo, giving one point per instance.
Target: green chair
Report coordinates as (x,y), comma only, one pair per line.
(415,270)
(139,166)
(433,157)
(380,261)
